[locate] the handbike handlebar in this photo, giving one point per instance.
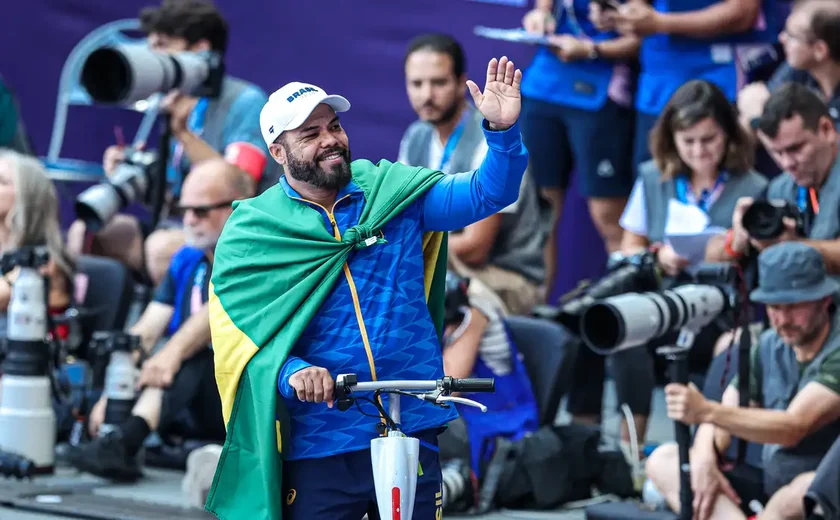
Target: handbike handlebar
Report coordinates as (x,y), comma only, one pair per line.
(477,384)
(435,391)
(347,383)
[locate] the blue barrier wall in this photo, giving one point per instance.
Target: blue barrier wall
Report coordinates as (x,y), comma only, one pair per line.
(350,47)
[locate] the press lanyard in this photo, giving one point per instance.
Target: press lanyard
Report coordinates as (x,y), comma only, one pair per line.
(707,198)
(195,124)
(452,143)
(196,299)
(569,10)
(802,200)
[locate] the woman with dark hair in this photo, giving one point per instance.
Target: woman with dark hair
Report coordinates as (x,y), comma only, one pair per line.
(702,157)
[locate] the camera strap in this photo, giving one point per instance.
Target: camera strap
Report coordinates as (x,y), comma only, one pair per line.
(749,270)
(744,348)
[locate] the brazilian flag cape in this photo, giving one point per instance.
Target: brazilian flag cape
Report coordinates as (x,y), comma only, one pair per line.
(274,265)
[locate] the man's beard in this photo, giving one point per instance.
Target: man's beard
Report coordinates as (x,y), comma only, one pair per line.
(204,242)
(335,178)
(447,115)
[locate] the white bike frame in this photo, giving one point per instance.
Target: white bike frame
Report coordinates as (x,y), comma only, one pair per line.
(396,456)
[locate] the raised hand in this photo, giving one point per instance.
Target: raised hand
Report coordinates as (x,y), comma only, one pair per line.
(501,101)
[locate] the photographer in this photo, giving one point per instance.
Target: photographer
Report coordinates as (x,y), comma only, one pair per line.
(797,129)
(812,57)
(29,217)
(702,158)
(794,396)
(202,128)
(178,380)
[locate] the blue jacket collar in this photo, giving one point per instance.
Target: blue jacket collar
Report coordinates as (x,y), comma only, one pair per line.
(351,188)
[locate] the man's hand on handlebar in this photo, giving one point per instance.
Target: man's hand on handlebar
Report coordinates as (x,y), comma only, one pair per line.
(314,385)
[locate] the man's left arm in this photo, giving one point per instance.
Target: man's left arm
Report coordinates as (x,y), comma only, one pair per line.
(722,17)
(461,199)
(243,143)
(474,243)
(830,251)
(195,147)
(193,336)
(812,408)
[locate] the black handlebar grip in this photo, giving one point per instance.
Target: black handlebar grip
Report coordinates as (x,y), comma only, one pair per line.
(480,384)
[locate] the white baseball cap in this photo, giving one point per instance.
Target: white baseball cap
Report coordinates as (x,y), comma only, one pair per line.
(289,106)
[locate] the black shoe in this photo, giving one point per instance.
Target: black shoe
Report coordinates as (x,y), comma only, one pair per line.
(106,457)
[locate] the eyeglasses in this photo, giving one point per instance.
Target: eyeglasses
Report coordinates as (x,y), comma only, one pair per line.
(204,210)
(803,38)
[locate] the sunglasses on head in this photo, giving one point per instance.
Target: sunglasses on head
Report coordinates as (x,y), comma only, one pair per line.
(204,210)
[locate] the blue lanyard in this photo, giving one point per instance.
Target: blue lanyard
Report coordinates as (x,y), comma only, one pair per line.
(200,276)
(568,10)
(802,199)
(195,123)
(707,198)
(452,143)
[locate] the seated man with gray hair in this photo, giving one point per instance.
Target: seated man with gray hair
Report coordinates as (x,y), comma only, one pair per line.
(179,395)
(794,400)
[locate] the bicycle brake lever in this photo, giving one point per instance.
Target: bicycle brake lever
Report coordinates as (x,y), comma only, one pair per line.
(469,402)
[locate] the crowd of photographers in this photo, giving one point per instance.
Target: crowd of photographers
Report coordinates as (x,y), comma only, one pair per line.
(704,134)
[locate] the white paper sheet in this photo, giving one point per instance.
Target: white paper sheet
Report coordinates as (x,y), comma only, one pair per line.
(693,246)
(685,219)
(517,35)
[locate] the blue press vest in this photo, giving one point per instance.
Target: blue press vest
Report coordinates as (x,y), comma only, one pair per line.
(511,410)
(668,61)
(582,84)
(183,266)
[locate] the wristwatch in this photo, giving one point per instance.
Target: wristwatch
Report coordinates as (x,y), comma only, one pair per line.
(594,53)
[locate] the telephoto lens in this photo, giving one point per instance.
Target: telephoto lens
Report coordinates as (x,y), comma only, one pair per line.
(129,73)
(632,320)
(27,416)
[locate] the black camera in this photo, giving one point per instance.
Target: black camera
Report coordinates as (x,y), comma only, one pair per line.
(636,273)
(456,298)
(14,465)
(763,219)
(102,345)
(133,181)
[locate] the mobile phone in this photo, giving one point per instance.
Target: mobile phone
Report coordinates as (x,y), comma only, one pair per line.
(608,4)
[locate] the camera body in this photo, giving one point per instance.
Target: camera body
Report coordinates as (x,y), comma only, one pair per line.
(132,181)
(455,298)
(113,368)
(636,273)
(763,219)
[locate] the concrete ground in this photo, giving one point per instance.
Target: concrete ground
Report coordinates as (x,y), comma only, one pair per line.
(163,488)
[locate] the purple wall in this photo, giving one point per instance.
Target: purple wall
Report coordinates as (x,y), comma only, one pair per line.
(354,48)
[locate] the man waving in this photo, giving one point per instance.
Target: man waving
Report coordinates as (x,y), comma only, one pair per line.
(340,268)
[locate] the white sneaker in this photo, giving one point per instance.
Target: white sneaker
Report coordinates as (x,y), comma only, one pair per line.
(201,468)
